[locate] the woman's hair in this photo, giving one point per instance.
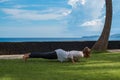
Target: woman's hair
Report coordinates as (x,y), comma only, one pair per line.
(86,52)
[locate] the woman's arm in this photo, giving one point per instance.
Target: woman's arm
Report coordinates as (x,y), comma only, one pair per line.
(76,59)
(73,61)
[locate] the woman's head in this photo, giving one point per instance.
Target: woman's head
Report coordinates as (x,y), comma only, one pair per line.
(86,52)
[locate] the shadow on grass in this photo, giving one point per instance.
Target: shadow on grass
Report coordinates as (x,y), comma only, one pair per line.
(111,57)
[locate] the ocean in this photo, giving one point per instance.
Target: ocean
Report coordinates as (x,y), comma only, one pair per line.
(52,39)
(38,39)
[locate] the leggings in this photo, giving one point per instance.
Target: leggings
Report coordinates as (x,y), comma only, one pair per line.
(45,55)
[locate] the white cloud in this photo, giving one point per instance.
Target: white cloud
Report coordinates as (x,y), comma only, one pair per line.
(95,20)
(91,23)
(2,1)
(74,3)
(67,12)
(27,6)
(89,15)
(83,2)
(50,14)
(95,7)
(94,25)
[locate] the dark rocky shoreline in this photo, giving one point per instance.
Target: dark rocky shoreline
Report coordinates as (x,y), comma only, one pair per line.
(23,47)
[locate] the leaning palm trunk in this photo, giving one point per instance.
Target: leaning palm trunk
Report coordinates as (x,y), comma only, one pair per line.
(102,43)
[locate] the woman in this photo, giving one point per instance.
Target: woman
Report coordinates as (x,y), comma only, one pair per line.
(60,54)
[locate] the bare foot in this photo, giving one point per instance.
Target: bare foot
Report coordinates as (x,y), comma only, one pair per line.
(26,56)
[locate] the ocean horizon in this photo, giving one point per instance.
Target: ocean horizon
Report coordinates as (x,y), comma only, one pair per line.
(38,39)
(53,39)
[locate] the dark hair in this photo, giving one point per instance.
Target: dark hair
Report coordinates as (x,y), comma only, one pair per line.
(86,52)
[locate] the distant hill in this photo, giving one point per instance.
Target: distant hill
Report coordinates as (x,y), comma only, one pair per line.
(95,37)
(115,37)
(89,38)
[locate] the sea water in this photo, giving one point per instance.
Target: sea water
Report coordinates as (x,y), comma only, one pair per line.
(53,39)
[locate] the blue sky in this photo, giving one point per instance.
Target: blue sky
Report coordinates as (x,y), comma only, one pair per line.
(55,18)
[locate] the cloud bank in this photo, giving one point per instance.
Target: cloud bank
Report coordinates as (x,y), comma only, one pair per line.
(87,13)
(73,19)
(50,14)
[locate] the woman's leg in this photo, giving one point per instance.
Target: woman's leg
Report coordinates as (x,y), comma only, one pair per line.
(45,55)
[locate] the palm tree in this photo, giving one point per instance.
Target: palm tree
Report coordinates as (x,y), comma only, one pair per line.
(102,43)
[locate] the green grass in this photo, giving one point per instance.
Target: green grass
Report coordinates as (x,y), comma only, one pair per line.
(102,66)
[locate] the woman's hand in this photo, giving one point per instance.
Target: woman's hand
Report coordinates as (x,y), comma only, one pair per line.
(72,60)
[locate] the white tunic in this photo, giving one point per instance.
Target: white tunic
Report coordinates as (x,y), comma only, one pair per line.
(65,55)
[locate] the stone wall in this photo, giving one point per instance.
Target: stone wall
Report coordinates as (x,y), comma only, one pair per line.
(23,47)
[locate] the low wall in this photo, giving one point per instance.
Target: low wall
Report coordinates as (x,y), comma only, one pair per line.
(23,47)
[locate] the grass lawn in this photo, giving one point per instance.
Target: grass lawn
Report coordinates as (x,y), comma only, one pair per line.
(101,66)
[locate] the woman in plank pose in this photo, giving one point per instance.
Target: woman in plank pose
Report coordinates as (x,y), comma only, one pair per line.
(60,54)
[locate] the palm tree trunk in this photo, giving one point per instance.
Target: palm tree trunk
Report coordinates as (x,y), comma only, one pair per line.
(102,43)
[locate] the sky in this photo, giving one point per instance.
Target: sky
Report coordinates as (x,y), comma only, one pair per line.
(55,18)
